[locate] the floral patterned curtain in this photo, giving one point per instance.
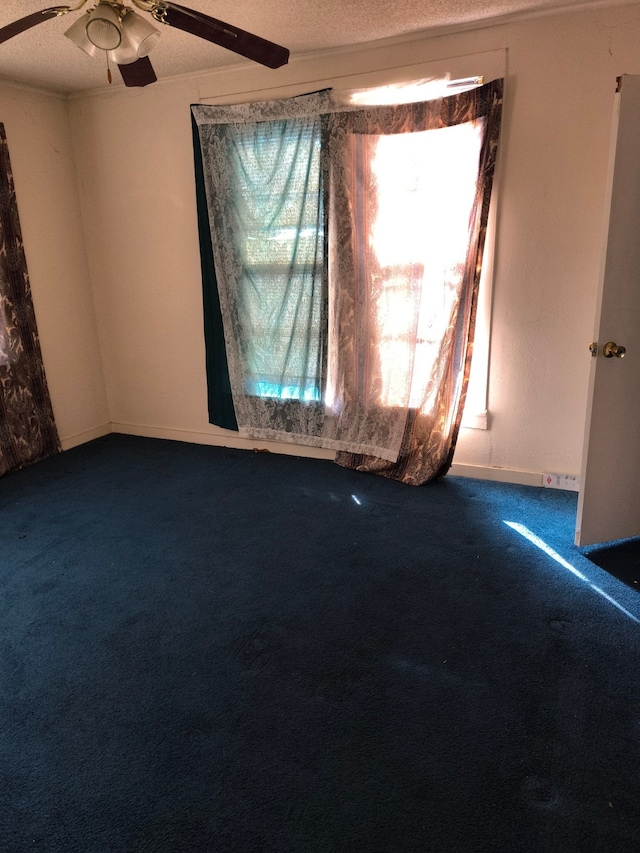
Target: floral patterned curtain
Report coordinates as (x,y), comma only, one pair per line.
(402,269)
(27,429)
(419,301)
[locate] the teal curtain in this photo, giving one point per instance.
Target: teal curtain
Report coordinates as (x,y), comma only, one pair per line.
(220,399)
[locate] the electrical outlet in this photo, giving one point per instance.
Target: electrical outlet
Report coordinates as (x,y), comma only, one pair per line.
(568,482)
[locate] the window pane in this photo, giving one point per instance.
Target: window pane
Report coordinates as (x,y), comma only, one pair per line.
(425,185)
(278,201)
(282,318)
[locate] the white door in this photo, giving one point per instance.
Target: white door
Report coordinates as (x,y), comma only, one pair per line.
(609,501)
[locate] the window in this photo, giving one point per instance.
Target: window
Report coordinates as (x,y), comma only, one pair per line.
(347,243)
(425,186)
(279,203)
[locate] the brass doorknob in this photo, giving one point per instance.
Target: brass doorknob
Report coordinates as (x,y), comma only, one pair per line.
(610,350)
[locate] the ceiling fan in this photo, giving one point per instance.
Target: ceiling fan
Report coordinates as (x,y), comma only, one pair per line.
(127,37)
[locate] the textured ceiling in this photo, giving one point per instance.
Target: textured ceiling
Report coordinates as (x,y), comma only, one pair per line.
(42,57)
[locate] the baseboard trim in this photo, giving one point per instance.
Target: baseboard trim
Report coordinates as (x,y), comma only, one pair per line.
(85,436)
(223,438)
(499,475)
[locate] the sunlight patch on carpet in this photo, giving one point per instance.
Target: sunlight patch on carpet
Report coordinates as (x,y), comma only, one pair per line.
(535,540)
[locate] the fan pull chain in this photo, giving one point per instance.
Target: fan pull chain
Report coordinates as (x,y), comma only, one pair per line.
(109,77)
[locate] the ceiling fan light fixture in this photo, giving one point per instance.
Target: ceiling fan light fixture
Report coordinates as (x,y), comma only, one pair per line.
(139,33)
(77,32)
(110,24)
(138,39)
(123,55)
(104,27)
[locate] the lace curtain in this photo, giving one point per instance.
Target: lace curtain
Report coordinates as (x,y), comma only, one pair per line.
(27,429)
(347,246)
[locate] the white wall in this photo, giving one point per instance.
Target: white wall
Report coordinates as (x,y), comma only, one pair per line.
(133,154)
(39,139)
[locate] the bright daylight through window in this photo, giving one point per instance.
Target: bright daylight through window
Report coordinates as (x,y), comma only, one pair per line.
(278,176)
(425,193)
(424,184)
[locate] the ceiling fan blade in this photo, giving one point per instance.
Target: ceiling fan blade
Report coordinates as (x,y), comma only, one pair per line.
(23,24)
(226,35)
(138,73)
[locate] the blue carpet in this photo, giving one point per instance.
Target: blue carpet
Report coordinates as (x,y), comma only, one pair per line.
(216,650)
